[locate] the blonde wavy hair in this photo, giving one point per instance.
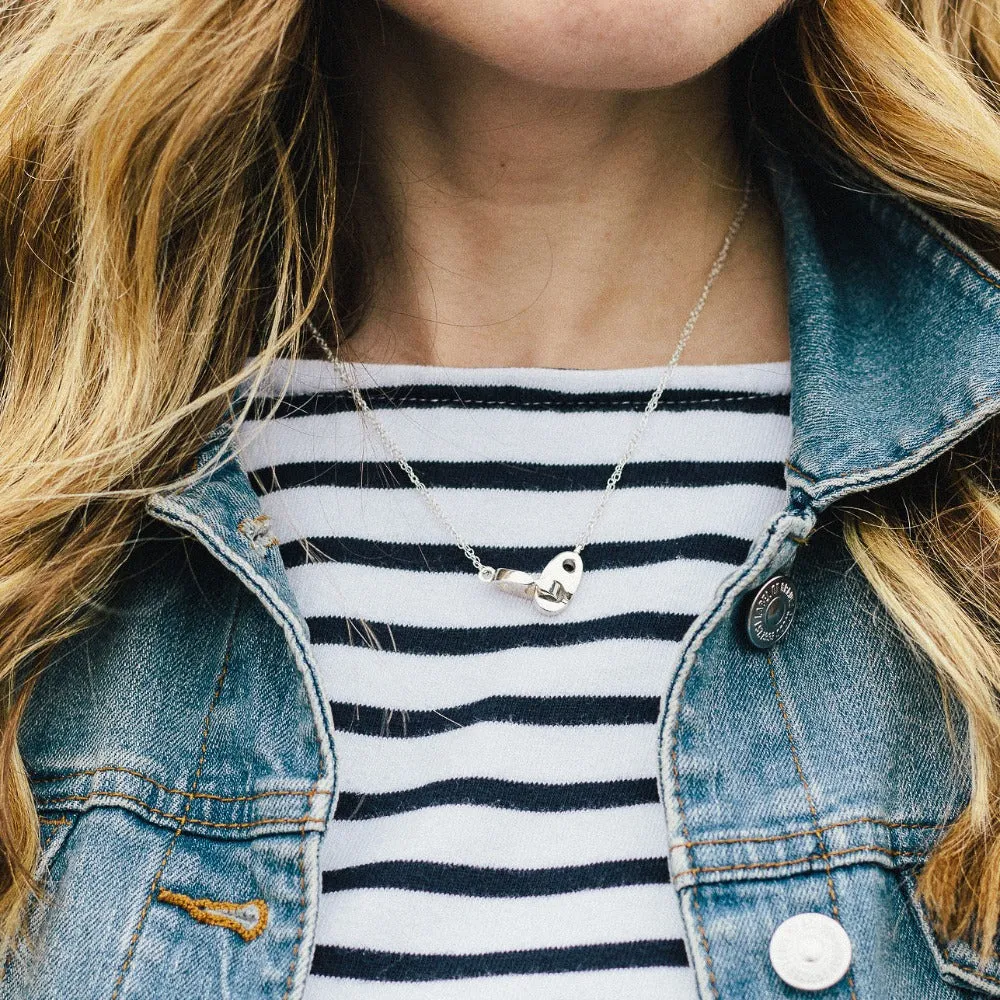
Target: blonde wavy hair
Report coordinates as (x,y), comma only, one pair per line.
(169,171)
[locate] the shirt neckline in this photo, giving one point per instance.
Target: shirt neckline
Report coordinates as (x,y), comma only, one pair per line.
(309,375)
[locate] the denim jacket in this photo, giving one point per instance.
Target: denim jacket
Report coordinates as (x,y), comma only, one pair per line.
(184,762)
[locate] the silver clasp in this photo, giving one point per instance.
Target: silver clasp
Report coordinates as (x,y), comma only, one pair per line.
(515,581)
(552,589)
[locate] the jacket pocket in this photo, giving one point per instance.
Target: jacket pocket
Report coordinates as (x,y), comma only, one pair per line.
(54,834)
(15,982)
(956,961)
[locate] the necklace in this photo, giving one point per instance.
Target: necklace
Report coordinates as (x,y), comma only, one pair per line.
(553,588)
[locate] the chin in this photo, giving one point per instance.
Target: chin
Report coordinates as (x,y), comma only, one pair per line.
(592,44)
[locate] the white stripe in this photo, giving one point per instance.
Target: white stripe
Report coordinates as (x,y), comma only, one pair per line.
(480,435)
(454,925)
(400,921)
(313,375)
(546,754)
(364,676)
(515,518)
(604,984)
(499,838)
(459,600)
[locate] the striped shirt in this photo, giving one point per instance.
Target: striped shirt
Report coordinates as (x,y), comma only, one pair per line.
(498,831)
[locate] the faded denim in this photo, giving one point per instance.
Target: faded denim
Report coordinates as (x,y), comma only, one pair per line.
(183,746)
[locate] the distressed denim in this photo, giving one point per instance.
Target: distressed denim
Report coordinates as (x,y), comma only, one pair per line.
(184,762)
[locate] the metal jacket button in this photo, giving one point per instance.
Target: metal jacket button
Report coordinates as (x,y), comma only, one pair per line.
(810,951)
(770,611)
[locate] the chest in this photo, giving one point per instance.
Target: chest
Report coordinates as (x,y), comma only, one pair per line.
(185,794)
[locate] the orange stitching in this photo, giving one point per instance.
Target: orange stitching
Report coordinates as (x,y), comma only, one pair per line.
(694,888)
(802,780)
(966,968)
(976,972)
(166,788)
(704,942)
(683,817)
(256,531)
(973,265)
(982,404)
(804,475)
(808,833)
(180,826)
(52,819)
(48,834)
(302,915)
(50,829)
(953,250)
(809,799)
(946,952)
(297,820)
(206,911)
(806,857)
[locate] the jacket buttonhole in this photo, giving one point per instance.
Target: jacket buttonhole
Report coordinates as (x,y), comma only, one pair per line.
(247,919)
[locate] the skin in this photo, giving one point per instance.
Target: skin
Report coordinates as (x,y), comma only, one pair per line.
(563,173)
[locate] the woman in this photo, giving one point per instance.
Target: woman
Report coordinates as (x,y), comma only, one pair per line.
(387,611)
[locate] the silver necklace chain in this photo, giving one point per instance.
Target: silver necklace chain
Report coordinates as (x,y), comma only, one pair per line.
(551,594)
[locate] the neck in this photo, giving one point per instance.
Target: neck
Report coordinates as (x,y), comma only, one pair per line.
(547,227)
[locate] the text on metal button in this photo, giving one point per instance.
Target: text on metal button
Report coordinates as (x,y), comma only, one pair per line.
(770,611)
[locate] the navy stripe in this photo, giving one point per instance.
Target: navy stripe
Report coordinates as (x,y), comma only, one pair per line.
(500,794)
(467,880)
(522,476)
(462,641)
(581,710)
(450,559)
(516,397)
(383,966)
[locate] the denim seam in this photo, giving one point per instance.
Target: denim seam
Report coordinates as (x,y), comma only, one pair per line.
(815,856)
(694,889)
(206,727)
(803,474)
(290,979)
(952,245)
(287,792)
(821,842)
(946,965)
(267,821)
(918,216)
(879,475)
(948,240)
(49,835)
(971,969)
(684,668)
(811,831)
(319,710)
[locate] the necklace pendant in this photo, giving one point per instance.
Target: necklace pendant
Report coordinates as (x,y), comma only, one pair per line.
(552,589)
(558,582)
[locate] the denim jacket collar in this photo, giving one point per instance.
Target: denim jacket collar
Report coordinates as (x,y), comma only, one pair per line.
(894,328)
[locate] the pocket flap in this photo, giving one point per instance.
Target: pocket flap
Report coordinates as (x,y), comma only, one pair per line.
(956,961)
